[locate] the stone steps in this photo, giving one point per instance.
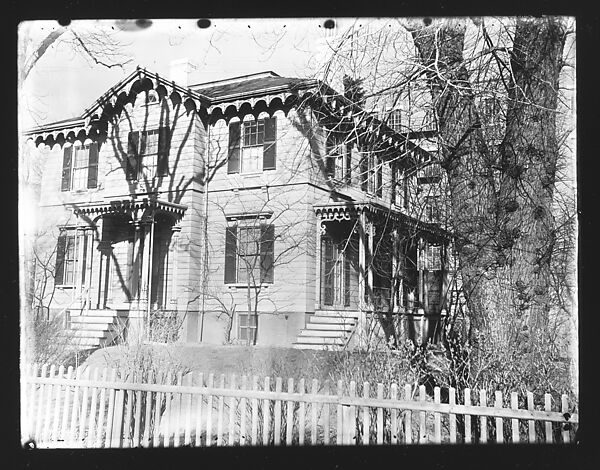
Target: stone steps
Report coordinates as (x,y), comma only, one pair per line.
(96,328)
(346,326)
(327,329)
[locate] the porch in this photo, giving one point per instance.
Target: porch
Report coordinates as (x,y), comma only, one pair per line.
(377,267)
(122,258)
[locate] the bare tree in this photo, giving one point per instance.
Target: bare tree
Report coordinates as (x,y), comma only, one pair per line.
(492,88)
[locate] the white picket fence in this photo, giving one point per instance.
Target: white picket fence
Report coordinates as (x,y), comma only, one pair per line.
(107,408)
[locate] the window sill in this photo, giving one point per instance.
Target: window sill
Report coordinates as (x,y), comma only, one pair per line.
(64,286)
(239,285)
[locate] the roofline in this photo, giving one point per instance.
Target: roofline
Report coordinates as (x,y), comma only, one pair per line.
(225,81)
(183,90)
(55,126)
(264,91)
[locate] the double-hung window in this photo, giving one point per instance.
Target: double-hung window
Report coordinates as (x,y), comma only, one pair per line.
(372,174)
(67,258)
(399,187)
(430,257)
(395,120)
(430,171)
(338,158)
(246,327)
(147,154)
(252,146)
(80,167)
(249,251)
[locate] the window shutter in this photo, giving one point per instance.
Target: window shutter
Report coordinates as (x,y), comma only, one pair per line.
(132,155)
(66,173)
(92,181)
(379,188)
(162,166)
(329,165)
(270,146)
(267,245)
(59,267)
(364,172)
(230,254)
(233,156)
(349,163)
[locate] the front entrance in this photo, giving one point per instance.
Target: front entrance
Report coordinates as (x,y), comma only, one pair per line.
(339,267)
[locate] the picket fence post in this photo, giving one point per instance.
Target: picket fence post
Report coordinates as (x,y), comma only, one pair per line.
(117,418)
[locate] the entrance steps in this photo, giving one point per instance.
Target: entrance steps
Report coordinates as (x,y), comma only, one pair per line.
(90,329)
(327,329)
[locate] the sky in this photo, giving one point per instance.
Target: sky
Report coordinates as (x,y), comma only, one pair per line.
(63,83)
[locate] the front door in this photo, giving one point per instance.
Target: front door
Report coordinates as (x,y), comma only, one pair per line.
(335,276)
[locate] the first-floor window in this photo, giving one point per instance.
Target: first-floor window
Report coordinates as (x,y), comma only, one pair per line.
(432,209)
(246,327)
(67,260)
(431,257)
(249,251)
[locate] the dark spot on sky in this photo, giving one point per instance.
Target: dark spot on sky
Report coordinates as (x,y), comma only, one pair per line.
(143,24)
(203,23)
(64,21)
(427,21)
(329,24)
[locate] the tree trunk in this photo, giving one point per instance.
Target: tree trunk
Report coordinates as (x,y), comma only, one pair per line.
(502,218)
(465,157)
(529,155)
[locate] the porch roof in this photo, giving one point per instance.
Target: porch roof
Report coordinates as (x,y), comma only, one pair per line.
(124,206)
(348,210)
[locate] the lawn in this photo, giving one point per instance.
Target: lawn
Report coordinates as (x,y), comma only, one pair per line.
(223,359)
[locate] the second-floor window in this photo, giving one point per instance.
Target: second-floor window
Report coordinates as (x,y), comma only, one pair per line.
(147,154)
(249,254)
(400,196)
(430,171)
(80,167)
(338,158)
(252,146)
(372,174)
(395,120)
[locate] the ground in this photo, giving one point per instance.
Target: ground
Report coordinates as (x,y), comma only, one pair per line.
(229,359)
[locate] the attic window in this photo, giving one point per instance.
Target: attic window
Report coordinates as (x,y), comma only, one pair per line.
(152,97)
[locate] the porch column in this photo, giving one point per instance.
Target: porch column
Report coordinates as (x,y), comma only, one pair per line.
(136,262)
(319,232)
(445,282)
(370,245)
(395,281)
(146,234)
(80,264)
(421,258)
(95,272)
(173,260)
(89,265)
(104,273)
(362,279)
